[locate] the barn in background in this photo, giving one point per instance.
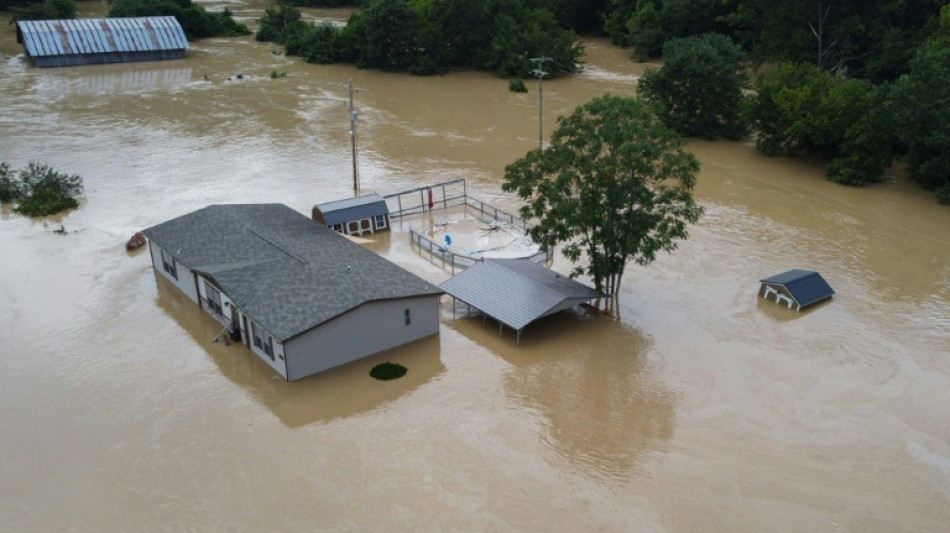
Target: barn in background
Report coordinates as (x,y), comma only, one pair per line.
(71,42)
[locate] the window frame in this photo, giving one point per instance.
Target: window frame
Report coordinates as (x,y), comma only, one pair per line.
(169,265)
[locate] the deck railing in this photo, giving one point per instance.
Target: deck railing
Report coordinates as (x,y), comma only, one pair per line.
(442,196)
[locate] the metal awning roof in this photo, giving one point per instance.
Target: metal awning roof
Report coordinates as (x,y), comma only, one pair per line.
(366,206)
(805,286)
(516,292)
(103,35)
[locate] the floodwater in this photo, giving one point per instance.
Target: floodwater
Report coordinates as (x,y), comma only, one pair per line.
(705,409)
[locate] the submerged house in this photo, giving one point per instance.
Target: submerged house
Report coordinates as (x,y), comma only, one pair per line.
(300,296)
(70,42)
(354,216)
(796,288)
(516,292)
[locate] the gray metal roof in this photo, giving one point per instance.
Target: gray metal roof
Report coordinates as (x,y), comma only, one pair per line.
(285,271)
(358,208)
(97,36)
(805,286)
(516,292)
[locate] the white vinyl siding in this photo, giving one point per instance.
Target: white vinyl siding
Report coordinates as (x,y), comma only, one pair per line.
(364,331)
(184,278)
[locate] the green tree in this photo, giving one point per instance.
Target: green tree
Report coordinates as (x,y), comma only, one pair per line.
(278,23)
(921,107)
(197,22)
(38,190)
(391,29)
(699,88)
(45,10)
(615,184)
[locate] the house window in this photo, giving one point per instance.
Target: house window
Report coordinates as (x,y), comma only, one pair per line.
(168,264)
(262,340)
(337,228)
(214,299)
(380,221)
(408,318)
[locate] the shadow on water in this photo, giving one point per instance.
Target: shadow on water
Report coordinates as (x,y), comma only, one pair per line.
(337,393)
(601,406)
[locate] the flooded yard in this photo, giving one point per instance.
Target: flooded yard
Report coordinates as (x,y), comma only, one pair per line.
(705,409)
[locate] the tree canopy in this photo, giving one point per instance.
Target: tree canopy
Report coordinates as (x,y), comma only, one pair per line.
(39,190)
(197,22)
(699,88)
(433,36)
(615,184)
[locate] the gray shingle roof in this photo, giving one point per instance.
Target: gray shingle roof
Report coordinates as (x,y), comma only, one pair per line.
(366,206)
(516,292)
(285,271)
(806,286)
(101,35)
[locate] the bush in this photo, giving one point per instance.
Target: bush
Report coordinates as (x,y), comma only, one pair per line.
(39,190)
(517,86)
(386,371)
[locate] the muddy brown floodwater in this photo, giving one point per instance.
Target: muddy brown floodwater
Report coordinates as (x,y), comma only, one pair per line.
(705,409)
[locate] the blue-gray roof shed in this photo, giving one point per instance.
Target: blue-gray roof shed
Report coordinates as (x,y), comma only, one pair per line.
(516,292)
(360,207)
(799,287)
(69,42)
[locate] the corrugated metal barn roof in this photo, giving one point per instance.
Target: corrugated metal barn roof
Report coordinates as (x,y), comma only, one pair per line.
(366,206)
(805,286)
(516,292)
(42,38)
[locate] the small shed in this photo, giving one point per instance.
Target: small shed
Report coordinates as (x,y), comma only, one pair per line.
(516,292)
(354,216)
(70,42)
(797,288)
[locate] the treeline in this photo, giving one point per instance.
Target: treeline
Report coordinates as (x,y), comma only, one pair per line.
(857,126)
(432,37)
(873,39)
(195,20)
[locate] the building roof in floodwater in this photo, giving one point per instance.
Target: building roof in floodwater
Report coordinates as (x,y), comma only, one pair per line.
(516,292)
(807,287)
(360,207)
(101,40)
(284,270)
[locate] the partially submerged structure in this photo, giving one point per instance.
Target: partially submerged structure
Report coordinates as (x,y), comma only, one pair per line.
(354,216)
(70,42)
(300,296)
(796,288)
(516,292)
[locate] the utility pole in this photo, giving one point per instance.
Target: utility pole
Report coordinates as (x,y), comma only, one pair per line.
(540,73)
(352,111)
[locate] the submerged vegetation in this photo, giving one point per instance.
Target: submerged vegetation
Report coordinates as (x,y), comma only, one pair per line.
(195,20)
(431,37)
(386,371)
(38,190)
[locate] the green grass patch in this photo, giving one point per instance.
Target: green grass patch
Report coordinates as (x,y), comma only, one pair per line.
(386,371)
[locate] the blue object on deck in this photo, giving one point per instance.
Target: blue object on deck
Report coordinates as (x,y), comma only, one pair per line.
(448,240)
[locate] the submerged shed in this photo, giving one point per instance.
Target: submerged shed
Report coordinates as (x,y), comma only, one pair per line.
(798,288)
(354,216)
(516,292)
(70,42)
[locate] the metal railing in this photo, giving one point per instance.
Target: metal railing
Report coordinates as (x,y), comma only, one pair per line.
(442,196)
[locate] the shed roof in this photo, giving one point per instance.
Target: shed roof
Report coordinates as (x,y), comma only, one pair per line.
(103,35)
(285,271)
(516,292)
(358,208)
(805,286)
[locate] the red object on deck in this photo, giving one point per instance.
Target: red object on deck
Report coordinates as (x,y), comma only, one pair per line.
(430,198)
